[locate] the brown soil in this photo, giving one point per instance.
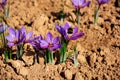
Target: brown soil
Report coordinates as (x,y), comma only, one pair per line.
(99,49)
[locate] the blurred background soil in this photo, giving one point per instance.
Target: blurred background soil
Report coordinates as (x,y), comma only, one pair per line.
(99,49)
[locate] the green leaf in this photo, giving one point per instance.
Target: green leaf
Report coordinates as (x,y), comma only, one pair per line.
(6,52)
(63,52)
(7,11)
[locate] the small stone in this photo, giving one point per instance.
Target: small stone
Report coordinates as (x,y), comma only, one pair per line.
(40,21)
(81,59)
(68,74)
(28,59)
(100,20)
(23,71)
(72,17)
(78,76)
(16,63)
(93,59)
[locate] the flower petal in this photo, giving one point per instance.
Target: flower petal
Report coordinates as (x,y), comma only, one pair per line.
(18,37)
(49,37)
(56,40)
(12,32)
(9,38)
(102,1)
(75,3)
(85,4)
(44,44)
(56,46)
(66,26)
(10,44)
(76,36)
(29,36)
(2,28)
(23,30)
(58,28)
(75,30)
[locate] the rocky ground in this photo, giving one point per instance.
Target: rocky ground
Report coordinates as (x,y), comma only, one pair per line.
(99,49)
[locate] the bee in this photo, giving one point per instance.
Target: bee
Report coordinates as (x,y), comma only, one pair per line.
(70,31)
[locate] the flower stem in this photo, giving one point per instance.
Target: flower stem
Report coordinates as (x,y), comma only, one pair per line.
(62,12)
(19,51)
(61,16)
(49,57)
(63,53)
(78,16)
(6,55)
(7,10)
(96,15)
(4,41)
(75,56)
(36,58)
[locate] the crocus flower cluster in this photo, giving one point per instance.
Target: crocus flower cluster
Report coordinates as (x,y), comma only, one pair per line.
(67,33)
(17,37)
(2,3)
(48,44)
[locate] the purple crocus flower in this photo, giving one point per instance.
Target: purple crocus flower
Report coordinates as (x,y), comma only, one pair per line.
(80,3)
(28,37)
(69,33)
(102,1)
(36,42)
(50,43)
(3,27)
(2,3)
(15,37)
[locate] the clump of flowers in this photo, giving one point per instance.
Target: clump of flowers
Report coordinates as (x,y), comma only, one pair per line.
(36,45)
(50,44)
(18,38)
(67,33)
(47,46)
(100,2)
(78,4)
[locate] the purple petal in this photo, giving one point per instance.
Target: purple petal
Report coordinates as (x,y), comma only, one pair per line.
(2,28)
(10,44)
(12,32)
(49,37)
(85,4)
(58,28)
(75,30)
(81,2)
(23,38)
(29,35)
(56,40)
(76,36)
(102,1)
(40,37)
(56,46)
(9,38)
(75,3)
(23,30)
(3,3)
(66,26)
(44,44)
(18,35)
